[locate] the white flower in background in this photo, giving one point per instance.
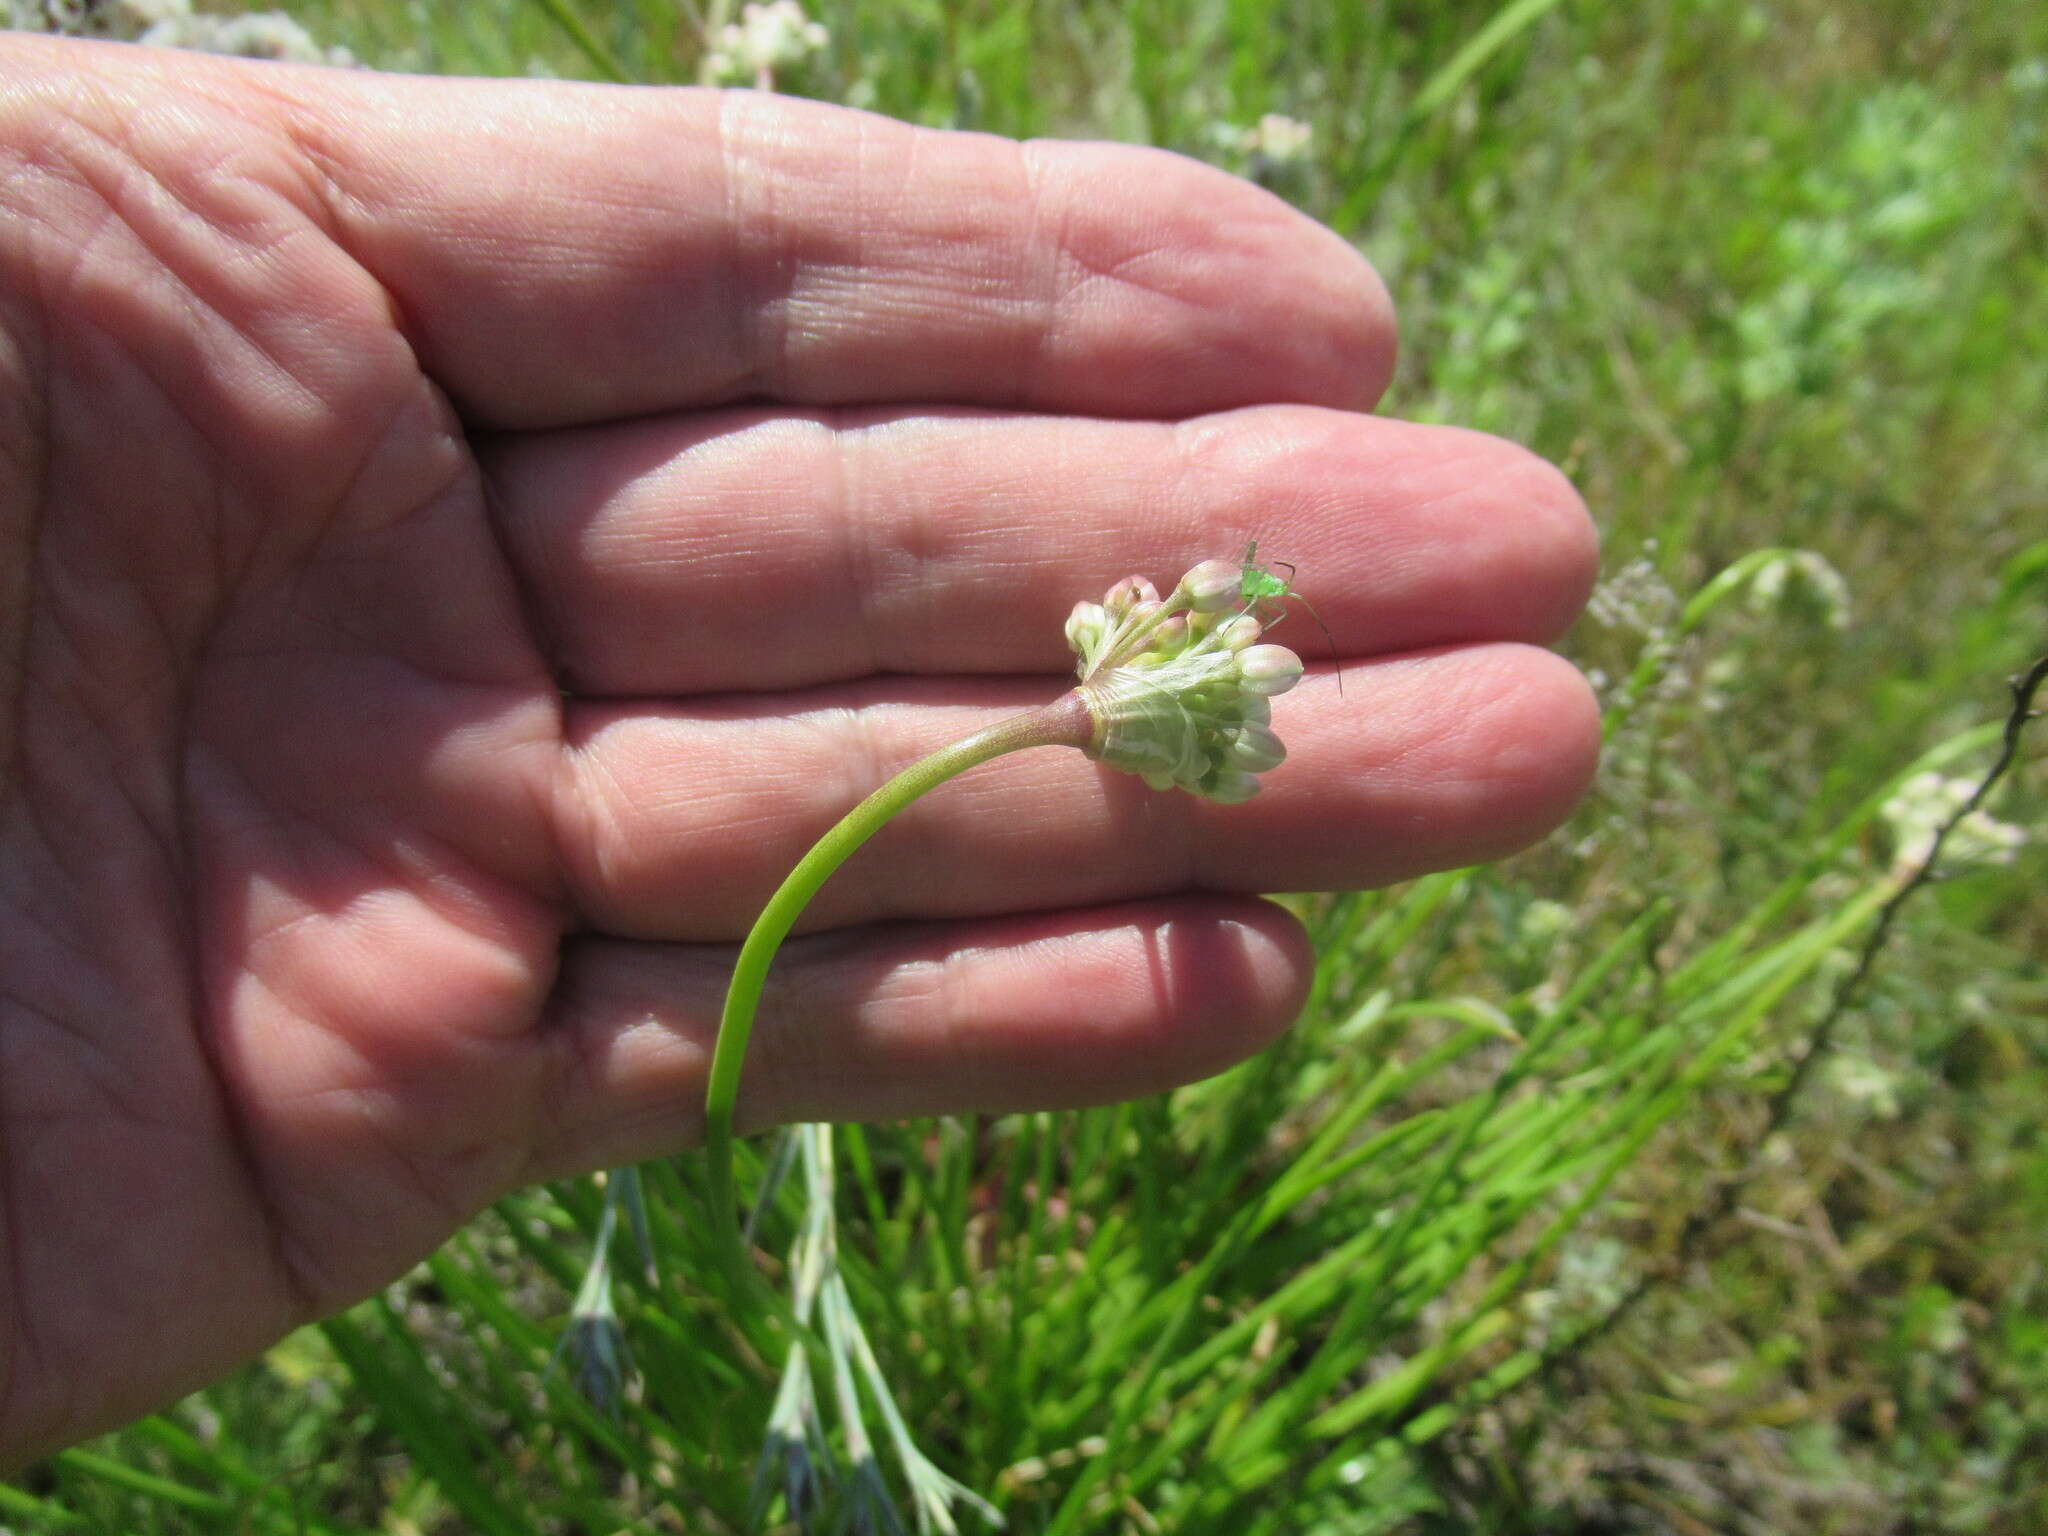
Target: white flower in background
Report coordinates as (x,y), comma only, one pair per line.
(1279,140)
(766,38)
(1923,804)
(1273,145)
(259,35)
(122,20)
(174,24)
(1593,1274)
(39,16)
(1800,575)
(131,18)
(1865,1083)
(1178,688)
(1544,923)
(1636,598)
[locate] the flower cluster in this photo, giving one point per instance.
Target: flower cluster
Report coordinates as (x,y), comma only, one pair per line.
(766,38)
(1925,803)
(1801,576)
(1637,600)
(1275,151)
(1177,688)
(174,24)
(1278,140)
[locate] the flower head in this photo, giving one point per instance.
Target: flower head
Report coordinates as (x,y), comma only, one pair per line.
(1279,140)
(767,37)
(1273,144)
(1177,687)
(1799,576)
(1921,806)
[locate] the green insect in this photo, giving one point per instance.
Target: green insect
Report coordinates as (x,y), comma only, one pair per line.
(1258,585)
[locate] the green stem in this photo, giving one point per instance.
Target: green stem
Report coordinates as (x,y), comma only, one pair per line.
(1063,723)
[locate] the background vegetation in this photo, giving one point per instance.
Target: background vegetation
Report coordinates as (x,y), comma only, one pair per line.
(1537,1223)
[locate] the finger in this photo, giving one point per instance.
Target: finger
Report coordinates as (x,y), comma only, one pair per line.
(998,1015)
(755,549)
(566,252)
(677,823)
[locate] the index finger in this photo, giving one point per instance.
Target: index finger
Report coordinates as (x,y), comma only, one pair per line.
(566,253)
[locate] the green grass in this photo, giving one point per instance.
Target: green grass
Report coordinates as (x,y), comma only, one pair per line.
(1759,276)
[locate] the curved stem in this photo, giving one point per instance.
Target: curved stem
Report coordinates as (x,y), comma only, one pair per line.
(1065,722)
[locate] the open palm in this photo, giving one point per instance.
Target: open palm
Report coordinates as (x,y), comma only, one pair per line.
(460,541)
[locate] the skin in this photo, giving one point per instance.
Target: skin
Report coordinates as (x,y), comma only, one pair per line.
(461,541)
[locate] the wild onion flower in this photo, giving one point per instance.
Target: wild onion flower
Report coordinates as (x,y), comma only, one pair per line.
(1177,691)
(1173,689)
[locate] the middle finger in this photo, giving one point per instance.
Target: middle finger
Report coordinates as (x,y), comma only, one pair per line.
(756,549)
(677,821)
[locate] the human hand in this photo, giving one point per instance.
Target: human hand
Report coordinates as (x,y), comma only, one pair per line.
(460,541)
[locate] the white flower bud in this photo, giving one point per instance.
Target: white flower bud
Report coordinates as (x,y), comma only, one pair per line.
(1212,585)
(1238,632)
(1085,627)
(1255,748)
(1268,669)
(1128,593)
(1169,636)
